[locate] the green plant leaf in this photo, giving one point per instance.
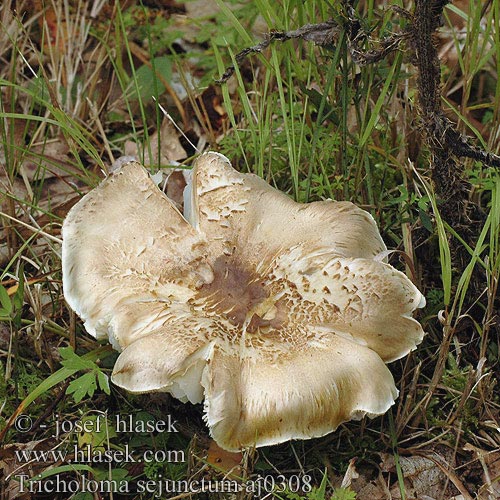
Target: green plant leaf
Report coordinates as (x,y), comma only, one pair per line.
(83,495)
(145,77)
(72,361)
(82,386)
(425,220)
(319,493)
(61,469)
(103,380)
(18,298)
(344,494)
(99,430)
(117,474)
(5,301)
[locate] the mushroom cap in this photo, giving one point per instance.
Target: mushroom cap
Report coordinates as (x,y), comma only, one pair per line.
(277,314)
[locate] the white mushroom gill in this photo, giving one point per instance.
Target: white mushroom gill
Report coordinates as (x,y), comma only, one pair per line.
(277,314)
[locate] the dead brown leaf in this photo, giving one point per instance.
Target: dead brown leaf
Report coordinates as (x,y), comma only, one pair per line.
(490,464)
(176,183)
(48,160)
(429,475)
(163,149)
(11,468)
(224,461)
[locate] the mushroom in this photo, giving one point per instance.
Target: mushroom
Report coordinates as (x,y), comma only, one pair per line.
(277,314)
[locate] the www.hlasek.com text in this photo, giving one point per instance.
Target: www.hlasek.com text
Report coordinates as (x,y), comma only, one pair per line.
(92,455)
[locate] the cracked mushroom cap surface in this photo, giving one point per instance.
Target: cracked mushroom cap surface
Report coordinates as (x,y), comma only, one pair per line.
(277,314)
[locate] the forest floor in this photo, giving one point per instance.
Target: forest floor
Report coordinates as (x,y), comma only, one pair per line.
(362,112)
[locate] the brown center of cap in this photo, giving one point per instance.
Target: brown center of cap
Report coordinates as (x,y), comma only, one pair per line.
(239,294)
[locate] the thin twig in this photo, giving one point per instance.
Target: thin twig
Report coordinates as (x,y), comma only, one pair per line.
(323,34)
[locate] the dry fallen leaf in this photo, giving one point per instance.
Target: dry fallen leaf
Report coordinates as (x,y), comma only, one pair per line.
(49,159)
(425,477)
(224,461)
(163,150)
(350,474)
(10,467)
(176,182)
(54,199)
(490,463)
